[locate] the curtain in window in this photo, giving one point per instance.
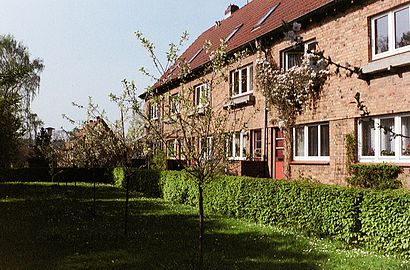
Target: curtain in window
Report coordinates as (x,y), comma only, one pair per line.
(299,142)
(405,130)
(368,143)
(386,137)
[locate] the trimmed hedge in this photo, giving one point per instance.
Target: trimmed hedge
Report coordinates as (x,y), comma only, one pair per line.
(379,220)
(100,175)
(377,176)
(385,218)
(140,180)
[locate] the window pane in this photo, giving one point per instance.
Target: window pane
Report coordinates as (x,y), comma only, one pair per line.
(368,138)
(381,38)
(294,59)
(250,78)
(237,143)
(244,79)
(243,150)
(229,146)
(235,83)
(402,27)
(299,142)
(386,137)
(405,131)
(324,140)
(257,144)
(313,141)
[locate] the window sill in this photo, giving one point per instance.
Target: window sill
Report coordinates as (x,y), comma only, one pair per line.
(242,100)
(310,162)
(389,64)
(401,163)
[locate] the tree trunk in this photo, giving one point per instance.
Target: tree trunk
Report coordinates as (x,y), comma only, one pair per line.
(127,196)
(201,226)
(288,152)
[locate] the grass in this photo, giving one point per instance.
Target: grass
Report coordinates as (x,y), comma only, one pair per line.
(44,226)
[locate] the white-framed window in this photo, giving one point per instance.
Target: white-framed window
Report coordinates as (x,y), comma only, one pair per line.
(174,104)
(311,142)
(390,32)
(256,144)
(294,56)
(236,145)
(153,111)
(242,81)
(201,95)
(384,139)
(206,147)
(172,148)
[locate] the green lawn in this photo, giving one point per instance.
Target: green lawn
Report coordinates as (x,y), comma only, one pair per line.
(44,226)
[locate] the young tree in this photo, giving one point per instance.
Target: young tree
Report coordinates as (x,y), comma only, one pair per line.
(195,133)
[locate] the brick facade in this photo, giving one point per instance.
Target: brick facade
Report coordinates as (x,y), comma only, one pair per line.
(345,35)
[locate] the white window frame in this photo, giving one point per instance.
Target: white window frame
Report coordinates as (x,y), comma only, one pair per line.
(207,152)
(391,34)
(306,156)
(174,144)
(254,143)
(287,52)
(153,111)
(249,81)
(398,157)
(242,145)
(174,106)
(201,102)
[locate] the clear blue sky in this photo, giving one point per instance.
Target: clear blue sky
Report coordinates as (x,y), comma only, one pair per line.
(88,46)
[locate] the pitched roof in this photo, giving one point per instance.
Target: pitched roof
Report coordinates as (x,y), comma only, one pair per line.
(246,18)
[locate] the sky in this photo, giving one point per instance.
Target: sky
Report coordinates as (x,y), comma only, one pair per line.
(89,46)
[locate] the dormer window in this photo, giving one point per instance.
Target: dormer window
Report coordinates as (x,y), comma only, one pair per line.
(293,57)
(391,32)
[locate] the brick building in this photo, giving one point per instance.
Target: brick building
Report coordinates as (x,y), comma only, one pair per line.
(373,35)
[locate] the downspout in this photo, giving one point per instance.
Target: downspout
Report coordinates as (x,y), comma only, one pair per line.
(258,45)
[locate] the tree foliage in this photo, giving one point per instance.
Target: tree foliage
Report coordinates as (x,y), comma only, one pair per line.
(19,83)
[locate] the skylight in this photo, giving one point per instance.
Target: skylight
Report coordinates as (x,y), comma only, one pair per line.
(195,55)
(267,14)
(233,33)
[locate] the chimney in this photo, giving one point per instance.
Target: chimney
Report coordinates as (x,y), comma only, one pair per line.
(230,10)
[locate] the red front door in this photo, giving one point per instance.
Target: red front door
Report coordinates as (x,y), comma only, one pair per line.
(279,148)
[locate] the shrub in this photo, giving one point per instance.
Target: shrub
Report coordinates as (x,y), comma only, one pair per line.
(377,176)
(385,218)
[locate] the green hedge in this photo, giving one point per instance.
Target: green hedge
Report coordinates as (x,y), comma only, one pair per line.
(380,220)
(385,219)
(377,176)
(99,175)
(141,180)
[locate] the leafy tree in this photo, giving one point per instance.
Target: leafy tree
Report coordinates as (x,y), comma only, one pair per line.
(10,124)
(197,134)
(19,83)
